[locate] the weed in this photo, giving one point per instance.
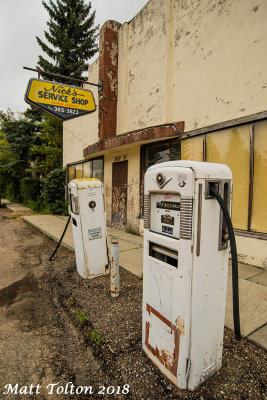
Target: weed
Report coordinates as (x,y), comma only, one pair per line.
(13,217)
(81,317)
(132,231)
(72,301)
(97,337)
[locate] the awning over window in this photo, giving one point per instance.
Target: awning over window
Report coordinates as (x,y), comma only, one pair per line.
(139,137)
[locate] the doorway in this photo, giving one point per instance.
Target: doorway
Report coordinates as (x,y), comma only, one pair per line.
(119,194)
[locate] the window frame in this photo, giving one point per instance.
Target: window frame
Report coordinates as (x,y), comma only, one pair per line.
(83,162)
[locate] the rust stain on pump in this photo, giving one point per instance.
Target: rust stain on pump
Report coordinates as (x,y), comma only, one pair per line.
(180,325)
(170,361)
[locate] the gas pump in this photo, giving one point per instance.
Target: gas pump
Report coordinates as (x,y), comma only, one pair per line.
(185,268)
(89,226)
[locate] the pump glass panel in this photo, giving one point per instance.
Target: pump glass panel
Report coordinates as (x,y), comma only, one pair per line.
(163,254)
(165,214)
(74,204)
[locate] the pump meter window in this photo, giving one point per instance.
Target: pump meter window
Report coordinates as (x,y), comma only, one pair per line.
(165,214)
(74,204)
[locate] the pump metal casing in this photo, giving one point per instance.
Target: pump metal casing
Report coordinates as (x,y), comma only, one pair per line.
(89,226)
(185,269)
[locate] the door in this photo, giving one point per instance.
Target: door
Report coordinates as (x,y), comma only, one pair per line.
(119,194)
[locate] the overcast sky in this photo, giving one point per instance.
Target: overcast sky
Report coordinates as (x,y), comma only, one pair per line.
(20,22)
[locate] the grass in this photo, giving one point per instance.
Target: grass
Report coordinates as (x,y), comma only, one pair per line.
(97,337)
(37,206)
(81,317)
(72,301)
(132,231)
(14,216)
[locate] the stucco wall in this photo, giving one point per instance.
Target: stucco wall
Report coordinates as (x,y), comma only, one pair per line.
(142,69)
(82,131)
(133,196)
(201,61)
(252,251)
(198,61)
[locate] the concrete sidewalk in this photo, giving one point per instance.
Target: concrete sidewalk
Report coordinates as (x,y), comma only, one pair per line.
(15,207)
(252,280)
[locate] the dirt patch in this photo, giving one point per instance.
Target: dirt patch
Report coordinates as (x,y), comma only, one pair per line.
(58,327)
(9,294)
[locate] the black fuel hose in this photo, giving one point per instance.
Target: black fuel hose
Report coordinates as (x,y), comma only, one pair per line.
(60,240)
(234,261)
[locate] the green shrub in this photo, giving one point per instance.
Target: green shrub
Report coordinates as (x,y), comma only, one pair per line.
(38,206)
(29,189)
(12,191)
(53,191)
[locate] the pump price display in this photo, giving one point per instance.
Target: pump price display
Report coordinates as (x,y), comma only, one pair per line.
(169,205)
(167,229)
(165,214)
(166,219)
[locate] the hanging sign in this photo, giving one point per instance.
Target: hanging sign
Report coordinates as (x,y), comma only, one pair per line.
(60,100)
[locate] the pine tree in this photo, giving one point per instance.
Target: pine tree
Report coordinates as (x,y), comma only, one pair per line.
(72,35)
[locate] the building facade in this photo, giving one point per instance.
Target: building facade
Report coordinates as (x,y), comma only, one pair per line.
(183,80)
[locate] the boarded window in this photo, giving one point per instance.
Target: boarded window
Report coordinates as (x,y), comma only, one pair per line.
(231,147)
(71,172)
(192,149)
(98,169)
(79,171)
(259,202)
(87,169)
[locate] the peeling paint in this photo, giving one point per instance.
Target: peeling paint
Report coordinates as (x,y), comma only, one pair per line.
(119,194)
(180,325)
(166,358)
(108,73)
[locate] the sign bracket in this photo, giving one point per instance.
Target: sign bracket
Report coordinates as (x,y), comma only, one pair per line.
(44,73)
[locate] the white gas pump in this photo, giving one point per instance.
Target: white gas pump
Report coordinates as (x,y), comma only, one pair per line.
(89,226)
(185,269)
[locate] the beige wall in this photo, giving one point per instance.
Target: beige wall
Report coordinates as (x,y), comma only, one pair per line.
(82,131)
(141,69)
(252,251)
(203,62)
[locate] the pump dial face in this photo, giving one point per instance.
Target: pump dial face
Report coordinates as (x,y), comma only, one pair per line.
(160,178)
(92,204)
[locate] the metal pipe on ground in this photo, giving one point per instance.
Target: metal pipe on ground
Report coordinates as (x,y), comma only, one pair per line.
(114,268)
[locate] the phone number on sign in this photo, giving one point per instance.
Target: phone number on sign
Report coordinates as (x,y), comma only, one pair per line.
(66,110)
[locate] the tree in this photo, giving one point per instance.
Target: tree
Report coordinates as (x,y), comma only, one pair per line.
(72,35)
(47,149)
(7,159)
(16,139)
